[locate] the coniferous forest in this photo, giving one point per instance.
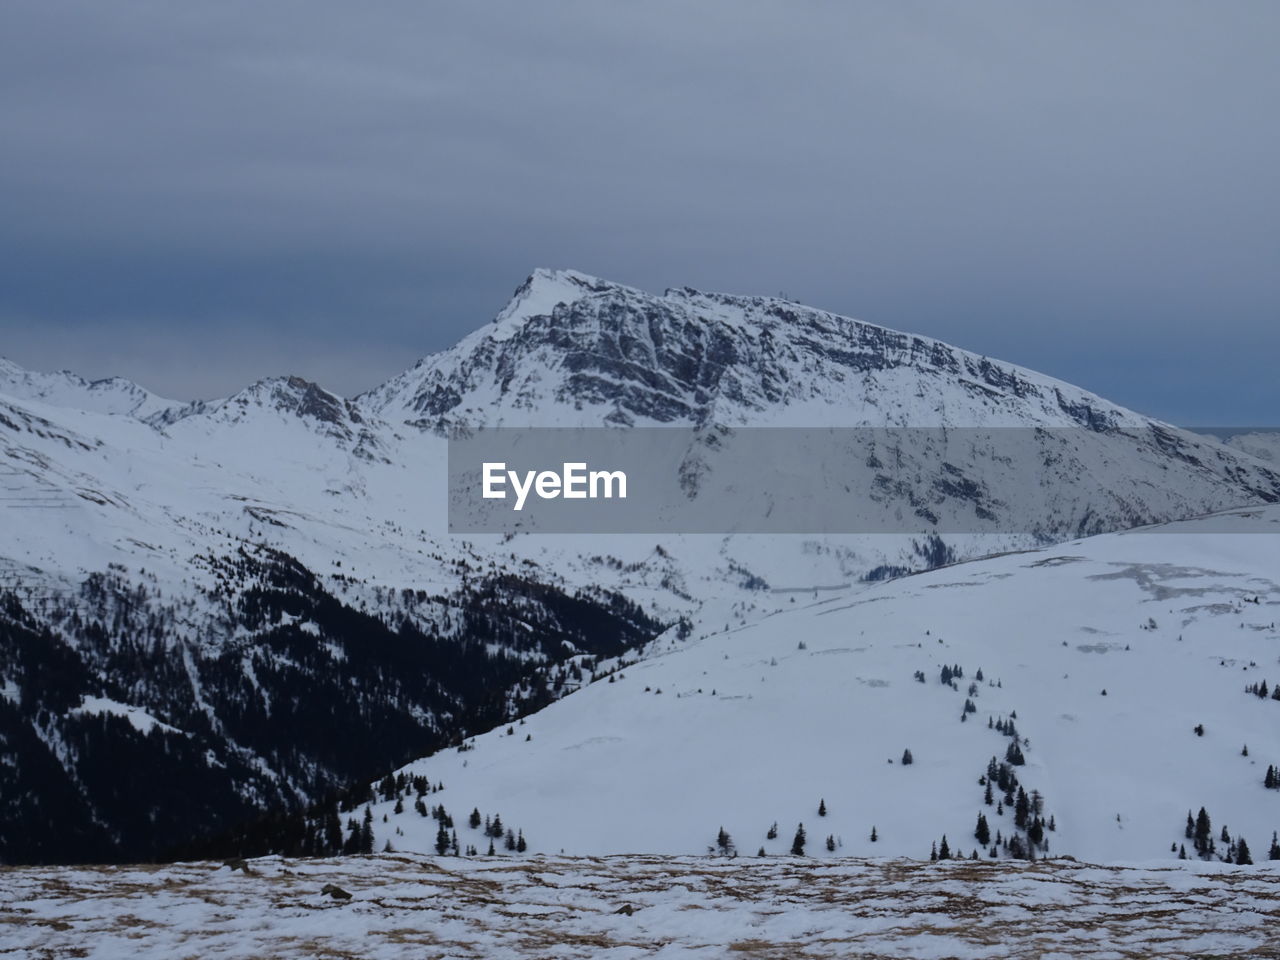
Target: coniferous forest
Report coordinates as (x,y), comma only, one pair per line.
(287,696)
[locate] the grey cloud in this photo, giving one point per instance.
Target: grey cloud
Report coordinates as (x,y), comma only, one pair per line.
(1084,188)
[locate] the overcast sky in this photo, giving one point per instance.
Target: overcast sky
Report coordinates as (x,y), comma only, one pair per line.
(199,195)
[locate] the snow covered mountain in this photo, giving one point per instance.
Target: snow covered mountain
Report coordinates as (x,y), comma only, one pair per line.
(258,594)
(1123,680)
(113,395)
(572,350)
(1265,445)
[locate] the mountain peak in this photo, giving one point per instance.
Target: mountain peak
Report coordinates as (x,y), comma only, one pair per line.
(110,395)
(544,290)
(297,396)
(577,350)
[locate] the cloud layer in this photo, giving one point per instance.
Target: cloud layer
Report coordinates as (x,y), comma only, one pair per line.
(196,195)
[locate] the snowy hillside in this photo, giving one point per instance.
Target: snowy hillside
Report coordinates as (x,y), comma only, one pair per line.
(259,593)
(1122,662)
(1265,445)
(113,395)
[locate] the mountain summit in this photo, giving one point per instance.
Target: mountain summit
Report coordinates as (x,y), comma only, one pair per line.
(592,351)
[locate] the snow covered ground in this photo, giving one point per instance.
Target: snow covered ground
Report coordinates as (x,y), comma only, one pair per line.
(632,907)
(1106,654)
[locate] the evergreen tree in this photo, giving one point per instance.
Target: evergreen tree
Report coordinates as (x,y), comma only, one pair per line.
(831,843)
(332,831)
(875,837)
(1035,832)
(1022,808)
(442,840)
(366,832)
(773,831)
(1242,853)
(1274,853)
(492,852)
(495,828)
(933,851)
(822,808)
(724,842)
(944,851)
(988,797)
(1204,833)
(982,833)
(761,852)
(907,759)
(1190,830)
(474,819)
(1014,755)
(509,841)
(797,845)
(521,846)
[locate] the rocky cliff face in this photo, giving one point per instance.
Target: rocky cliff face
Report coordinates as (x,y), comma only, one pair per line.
(613,354)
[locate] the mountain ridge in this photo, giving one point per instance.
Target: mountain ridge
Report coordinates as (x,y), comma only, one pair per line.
(199,566)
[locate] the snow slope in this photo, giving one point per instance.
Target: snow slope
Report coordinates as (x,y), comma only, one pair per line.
(112,395)
(127,519)
(1265,445)
(754,722)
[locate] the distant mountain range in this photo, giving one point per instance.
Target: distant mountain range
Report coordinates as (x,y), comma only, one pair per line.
(219,610)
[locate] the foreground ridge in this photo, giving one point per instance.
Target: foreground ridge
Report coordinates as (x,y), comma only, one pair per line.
(381,906)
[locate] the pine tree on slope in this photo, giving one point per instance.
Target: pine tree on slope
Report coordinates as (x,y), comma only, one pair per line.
(797,845)
(1242,853)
